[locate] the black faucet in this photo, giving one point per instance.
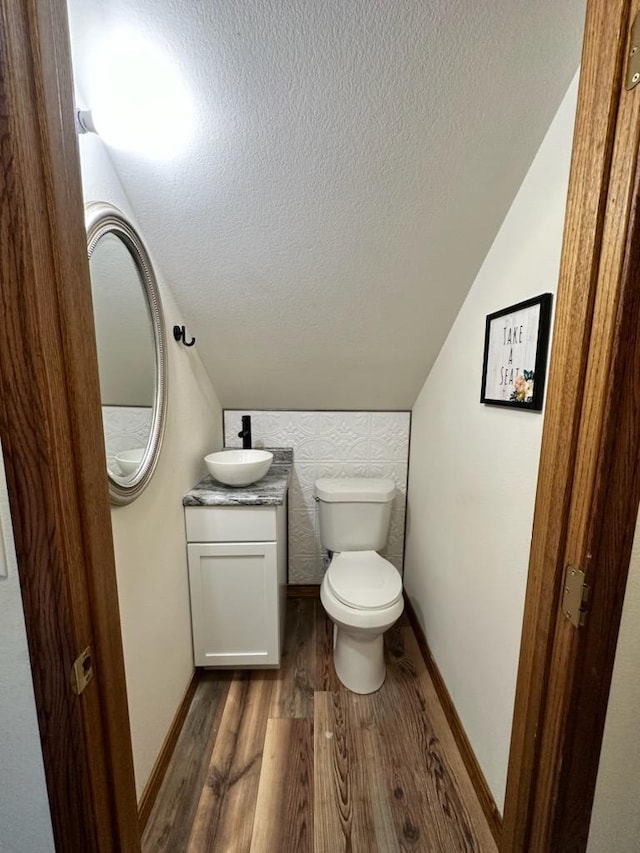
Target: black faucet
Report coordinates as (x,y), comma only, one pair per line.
(245,432)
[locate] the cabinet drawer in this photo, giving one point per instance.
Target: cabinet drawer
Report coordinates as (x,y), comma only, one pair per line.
(230,523)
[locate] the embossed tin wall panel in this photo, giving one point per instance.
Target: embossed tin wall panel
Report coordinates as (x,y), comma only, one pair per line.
(330,444)
(125,428)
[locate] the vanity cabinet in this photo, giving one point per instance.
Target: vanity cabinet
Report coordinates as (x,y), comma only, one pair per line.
(237,580)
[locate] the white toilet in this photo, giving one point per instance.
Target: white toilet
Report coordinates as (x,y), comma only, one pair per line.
(361,591)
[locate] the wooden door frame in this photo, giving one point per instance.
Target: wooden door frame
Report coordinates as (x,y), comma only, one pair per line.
(52,440)
(589,478)
(50,424)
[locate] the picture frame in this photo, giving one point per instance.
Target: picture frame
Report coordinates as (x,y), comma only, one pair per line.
(516,344)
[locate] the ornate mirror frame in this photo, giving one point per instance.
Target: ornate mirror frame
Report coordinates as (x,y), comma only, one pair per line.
(101,219)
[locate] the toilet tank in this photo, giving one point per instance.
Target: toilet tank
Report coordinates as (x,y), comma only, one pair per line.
(354,513)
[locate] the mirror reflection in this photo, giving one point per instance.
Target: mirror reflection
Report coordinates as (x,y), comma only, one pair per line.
(126,355)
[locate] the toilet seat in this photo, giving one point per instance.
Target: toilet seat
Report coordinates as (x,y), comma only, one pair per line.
(364,580)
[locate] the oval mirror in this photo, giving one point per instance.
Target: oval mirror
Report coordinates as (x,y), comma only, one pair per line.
(131,349)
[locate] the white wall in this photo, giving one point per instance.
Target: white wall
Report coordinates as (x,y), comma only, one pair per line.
(25,823)
(473,469)
(615,820)
(149,535)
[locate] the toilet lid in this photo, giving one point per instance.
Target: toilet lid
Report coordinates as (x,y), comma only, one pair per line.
(364,579)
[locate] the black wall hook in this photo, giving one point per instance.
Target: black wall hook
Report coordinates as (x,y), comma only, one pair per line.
(180,335)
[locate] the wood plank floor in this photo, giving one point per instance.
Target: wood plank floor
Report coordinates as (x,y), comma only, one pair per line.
(271,761)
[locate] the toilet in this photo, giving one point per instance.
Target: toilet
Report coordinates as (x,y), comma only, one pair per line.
(361,591)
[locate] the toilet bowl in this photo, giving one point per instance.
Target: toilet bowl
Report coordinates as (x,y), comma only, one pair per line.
(361,611)
(361,591)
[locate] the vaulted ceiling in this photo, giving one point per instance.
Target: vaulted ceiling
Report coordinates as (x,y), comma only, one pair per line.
(351,163)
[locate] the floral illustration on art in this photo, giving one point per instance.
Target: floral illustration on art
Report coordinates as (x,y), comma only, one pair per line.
(523,392)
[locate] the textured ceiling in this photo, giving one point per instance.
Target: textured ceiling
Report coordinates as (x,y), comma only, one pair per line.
(351,165)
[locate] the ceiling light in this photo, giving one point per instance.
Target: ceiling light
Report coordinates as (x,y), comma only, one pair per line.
(139,100)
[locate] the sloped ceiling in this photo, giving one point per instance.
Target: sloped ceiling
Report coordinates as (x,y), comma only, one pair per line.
(351,165)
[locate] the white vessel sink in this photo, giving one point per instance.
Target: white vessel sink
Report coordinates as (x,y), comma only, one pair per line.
(130,460)
(238,467)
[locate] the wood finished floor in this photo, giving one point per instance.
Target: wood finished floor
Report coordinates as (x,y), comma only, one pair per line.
(271,761)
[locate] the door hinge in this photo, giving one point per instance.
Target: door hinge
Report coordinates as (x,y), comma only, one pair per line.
(576,594)
(632,77)
(81,671)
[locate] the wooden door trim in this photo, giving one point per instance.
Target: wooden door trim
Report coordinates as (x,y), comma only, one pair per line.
(587,438)
(570,752)
(52,438)
(602,515)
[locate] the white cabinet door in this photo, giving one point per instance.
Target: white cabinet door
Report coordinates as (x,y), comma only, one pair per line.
(234,603)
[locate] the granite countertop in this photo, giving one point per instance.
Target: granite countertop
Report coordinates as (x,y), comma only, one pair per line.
(269,491)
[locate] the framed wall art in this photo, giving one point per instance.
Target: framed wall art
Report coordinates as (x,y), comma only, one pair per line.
(515,354)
